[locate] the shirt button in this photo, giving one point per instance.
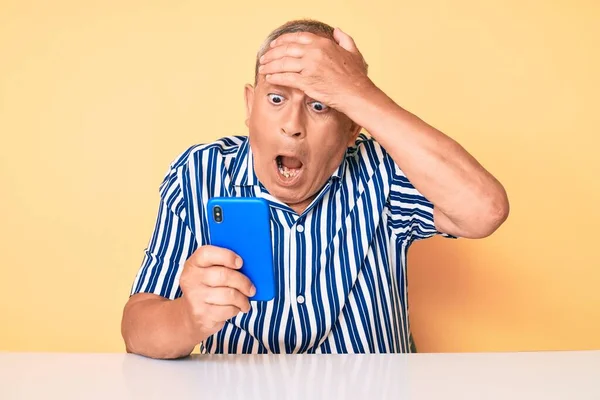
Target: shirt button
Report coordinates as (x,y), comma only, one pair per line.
(300,228)
(300,299)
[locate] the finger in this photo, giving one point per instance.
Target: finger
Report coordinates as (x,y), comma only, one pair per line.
(294,37)
(225,277)
(285,64)
(207,256)
(286,50)
(289,79)
(227,296)
(345,41)
(221,313)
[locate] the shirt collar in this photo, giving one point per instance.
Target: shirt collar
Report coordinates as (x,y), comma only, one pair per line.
(242,172)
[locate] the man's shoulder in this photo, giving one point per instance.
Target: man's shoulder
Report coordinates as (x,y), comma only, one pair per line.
(225,147)
(367,149)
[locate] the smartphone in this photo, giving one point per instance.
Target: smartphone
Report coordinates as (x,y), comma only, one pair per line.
(242,225)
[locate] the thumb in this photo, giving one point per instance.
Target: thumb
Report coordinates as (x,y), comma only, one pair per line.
(345,41)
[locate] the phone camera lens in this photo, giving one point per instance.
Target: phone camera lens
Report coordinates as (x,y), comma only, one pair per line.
(218,214)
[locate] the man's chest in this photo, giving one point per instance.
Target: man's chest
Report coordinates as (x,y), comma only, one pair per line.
(336,271)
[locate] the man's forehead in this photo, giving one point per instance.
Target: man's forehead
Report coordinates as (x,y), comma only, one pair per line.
(263,84)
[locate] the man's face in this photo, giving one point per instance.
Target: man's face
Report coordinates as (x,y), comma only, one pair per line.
(297,142)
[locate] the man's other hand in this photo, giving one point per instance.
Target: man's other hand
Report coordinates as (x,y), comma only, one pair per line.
(213,289)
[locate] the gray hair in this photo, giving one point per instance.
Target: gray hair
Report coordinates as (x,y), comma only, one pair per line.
(299,25)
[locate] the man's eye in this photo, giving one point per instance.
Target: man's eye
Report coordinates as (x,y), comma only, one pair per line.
(275,98)
(318,107)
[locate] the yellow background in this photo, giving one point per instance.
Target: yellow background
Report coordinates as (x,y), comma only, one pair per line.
(97,97)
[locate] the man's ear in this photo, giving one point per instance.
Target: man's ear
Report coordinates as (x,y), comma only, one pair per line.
(249,98)
(354,132)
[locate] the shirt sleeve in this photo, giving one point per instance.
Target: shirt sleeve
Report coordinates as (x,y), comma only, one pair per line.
(171,243)
(411,212)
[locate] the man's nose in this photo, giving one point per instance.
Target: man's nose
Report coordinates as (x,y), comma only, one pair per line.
(292,124)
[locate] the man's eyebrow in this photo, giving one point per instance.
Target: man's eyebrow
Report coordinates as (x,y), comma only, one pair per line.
(277,87)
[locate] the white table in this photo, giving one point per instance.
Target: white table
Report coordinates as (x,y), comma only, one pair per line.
(554,375)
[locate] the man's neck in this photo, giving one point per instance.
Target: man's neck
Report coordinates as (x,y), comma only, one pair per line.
(303,205)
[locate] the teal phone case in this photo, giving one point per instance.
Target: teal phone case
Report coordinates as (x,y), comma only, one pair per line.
(243,226)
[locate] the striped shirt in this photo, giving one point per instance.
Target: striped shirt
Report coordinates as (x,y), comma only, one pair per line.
(340,266)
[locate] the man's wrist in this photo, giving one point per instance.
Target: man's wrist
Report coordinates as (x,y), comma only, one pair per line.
(191,335)
(364,102)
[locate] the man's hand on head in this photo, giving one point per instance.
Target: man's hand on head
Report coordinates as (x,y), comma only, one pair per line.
(326,71)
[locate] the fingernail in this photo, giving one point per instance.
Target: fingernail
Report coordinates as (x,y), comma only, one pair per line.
(261,68)
(273,43)
(238,262)
(262,58)
(252,291)
(267,76)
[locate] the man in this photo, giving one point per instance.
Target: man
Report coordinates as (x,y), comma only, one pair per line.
(344,210)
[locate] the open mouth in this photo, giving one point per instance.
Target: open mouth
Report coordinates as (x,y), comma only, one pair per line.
(289,168)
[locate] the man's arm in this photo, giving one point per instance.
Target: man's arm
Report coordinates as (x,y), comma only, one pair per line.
(468,201)
(214,290)
(157,327)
